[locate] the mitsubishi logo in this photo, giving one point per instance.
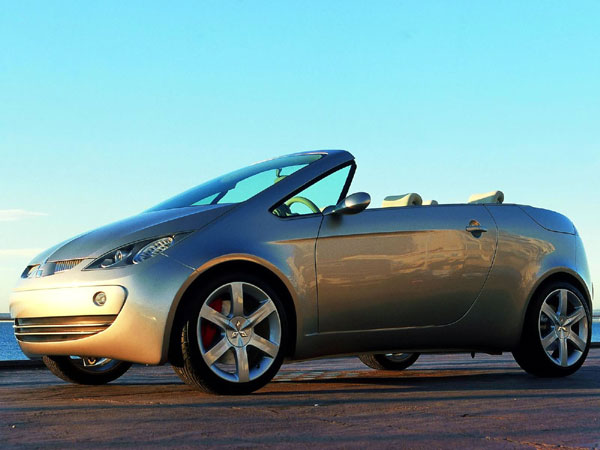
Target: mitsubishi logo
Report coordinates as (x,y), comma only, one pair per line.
(235,334)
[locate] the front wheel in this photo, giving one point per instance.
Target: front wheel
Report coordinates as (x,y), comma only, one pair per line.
(233,335)
(557,332)
(390,361)
(85,369)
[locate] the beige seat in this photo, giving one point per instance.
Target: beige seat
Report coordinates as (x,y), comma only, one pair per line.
(430,202)
(411,199)
(488,197)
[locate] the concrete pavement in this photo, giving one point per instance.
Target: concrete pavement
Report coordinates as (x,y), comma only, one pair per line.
(442,401)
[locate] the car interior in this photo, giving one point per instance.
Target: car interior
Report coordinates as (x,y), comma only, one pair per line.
(414,199)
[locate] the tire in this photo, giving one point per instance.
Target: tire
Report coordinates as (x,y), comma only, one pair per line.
(556,333)
(390,361)
(233,335)
(86,370)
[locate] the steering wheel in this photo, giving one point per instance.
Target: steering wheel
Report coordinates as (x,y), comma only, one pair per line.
(306,202)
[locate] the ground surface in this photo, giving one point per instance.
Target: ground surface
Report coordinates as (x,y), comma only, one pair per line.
(442,401)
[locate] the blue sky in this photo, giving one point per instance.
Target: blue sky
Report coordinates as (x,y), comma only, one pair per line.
(106,109)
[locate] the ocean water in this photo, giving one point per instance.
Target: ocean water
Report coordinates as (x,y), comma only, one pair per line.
(9,349)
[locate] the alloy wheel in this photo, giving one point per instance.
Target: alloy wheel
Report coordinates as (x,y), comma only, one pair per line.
(93,364)
(239,332)
(563,327)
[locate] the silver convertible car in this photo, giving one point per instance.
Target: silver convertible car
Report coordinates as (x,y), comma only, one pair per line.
(276,261)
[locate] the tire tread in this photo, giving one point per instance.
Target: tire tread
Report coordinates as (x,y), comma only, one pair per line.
(380,362)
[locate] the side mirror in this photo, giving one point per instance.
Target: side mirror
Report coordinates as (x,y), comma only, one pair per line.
(353,204)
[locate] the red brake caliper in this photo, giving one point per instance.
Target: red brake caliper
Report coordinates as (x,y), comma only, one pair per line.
(209,330)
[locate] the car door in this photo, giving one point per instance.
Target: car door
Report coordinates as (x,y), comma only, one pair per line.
(400,267)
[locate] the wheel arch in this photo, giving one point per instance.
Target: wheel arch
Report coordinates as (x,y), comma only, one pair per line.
(237,264)
(562,274)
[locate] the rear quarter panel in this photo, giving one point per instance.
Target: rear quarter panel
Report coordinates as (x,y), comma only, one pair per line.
(527,254)
(583,269)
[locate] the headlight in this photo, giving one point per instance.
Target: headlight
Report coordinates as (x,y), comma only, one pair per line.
(136,252)
(153,248)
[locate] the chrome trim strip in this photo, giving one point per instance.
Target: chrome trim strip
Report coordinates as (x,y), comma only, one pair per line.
(84,325)
(54,333)
(54,329)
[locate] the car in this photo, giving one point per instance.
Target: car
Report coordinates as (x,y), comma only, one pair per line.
(276,262)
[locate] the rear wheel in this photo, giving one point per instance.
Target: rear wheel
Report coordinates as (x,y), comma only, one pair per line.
(390,361)
(85,369)
(233,335)
(557,332)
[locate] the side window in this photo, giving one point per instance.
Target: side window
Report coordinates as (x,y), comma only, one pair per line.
(316,197)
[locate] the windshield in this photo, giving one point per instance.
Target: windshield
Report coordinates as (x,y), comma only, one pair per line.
(239,186)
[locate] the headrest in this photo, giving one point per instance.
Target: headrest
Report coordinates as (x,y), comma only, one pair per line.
(429,202)
(410,199)
(488,197)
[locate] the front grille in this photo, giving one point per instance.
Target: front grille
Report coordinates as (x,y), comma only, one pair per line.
(60,266)
(53,329)
(30,271)
(50,268)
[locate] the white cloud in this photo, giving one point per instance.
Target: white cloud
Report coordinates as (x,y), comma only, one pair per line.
(21,252)
(11,215)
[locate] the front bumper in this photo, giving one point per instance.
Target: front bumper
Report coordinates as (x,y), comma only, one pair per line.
(56,315)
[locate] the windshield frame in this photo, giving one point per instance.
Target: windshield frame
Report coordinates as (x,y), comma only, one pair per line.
(343,193)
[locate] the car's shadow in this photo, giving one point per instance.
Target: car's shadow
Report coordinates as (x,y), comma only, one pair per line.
(371,388)
(456,380)
(430,380)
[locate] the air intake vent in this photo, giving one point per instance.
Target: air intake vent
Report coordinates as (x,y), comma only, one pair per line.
(53,329)
(60,266)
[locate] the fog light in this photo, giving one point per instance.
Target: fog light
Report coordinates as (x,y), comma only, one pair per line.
(99,298)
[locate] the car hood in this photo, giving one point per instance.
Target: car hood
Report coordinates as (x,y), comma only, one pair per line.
(145,225)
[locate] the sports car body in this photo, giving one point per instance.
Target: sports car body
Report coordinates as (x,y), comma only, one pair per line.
(277,261)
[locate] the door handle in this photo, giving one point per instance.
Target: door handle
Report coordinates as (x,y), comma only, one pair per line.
(475,227)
